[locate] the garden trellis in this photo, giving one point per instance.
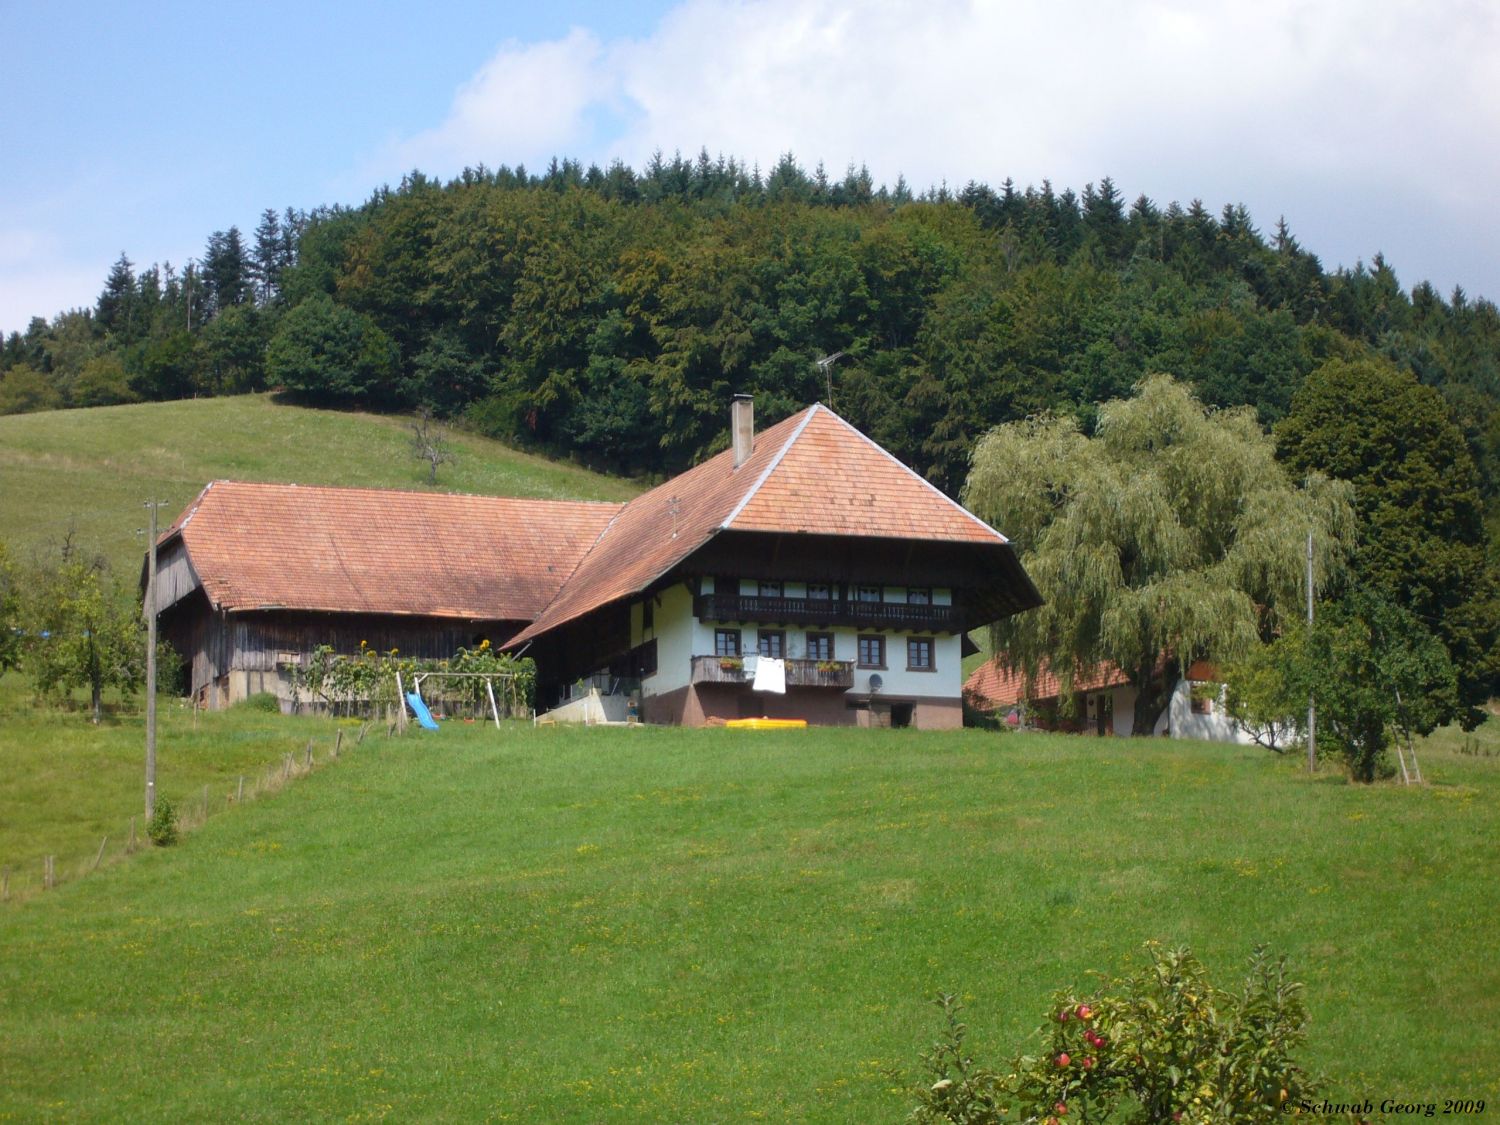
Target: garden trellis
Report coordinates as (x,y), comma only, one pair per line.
(508,680)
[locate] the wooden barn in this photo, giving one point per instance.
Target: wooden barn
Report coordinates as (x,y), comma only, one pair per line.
(252,578)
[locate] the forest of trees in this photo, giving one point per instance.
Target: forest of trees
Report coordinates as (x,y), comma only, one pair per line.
(608,314)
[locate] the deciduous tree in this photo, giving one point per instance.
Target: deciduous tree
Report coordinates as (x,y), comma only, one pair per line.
(1171,534)
(327,353)
(1421,520)
(81,632)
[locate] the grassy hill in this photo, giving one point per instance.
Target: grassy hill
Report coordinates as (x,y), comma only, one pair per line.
(90,470)
(657,924)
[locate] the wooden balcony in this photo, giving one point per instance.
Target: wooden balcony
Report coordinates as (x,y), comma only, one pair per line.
(799,673)
(827,611)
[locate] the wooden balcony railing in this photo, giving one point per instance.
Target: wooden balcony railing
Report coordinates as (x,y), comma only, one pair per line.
(799,673)
(826,611)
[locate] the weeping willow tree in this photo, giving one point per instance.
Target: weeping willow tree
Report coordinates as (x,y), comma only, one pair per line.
(1171,534)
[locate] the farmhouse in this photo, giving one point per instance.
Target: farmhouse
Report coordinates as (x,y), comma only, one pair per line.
(1103,699)
(802,573)
(1104,702)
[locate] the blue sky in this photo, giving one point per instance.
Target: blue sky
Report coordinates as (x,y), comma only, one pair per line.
(1370,125)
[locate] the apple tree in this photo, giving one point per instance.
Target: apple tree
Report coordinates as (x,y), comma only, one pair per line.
(10,612)
(81,632)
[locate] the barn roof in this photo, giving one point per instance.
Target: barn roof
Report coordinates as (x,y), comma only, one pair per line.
(992,685)
(361,550)
(812,473)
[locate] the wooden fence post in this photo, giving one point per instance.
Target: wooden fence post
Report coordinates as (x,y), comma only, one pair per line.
(99,854)
(338,741)
(239,794)
(4,884)
(48,873)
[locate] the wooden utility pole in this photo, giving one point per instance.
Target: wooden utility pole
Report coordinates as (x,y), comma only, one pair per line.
(1312,715)
(151,663)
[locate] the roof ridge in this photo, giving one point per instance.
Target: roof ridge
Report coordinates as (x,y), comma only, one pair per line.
(914,474)
(769,469)
(192,510)
(408,492)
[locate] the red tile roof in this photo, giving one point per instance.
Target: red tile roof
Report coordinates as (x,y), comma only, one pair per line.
(358,550)
(811,473)
(992,685)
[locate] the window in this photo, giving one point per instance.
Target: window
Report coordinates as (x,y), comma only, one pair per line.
(869,594)
(770,589)
(919,595)
(820,646)
(919,654)
(648,614)
(819,591)
(770,642)
(726,642)
(872,652)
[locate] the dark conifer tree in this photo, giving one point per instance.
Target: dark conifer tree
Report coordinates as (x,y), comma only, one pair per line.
(116,310)
(226,272)
(269,258)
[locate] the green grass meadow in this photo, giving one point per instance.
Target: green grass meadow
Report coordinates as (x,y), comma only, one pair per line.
(675,925)
(90,470)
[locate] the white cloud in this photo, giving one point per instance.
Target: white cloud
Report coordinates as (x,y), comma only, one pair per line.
(527,103)
(1339,114)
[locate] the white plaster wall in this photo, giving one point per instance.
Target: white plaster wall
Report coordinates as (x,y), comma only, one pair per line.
(945,680)
(678,637)
(1214,727)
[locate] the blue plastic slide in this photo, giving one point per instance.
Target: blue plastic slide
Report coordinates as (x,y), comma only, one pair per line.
(419,709)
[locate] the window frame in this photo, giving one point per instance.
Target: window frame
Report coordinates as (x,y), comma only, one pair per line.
(919,595)
(931,644)
(721,648)
(777,635)
(860,593)
(871,638)
(767,588)
(816,638)
(825,596)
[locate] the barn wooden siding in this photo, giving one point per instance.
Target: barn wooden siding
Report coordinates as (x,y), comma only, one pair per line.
(261,641)
(214,644)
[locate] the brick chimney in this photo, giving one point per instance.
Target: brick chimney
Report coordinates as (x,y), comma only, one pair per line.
(742,428)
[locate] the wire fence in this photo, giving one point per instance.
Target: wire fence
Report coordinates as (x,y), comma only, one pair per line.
(19,883)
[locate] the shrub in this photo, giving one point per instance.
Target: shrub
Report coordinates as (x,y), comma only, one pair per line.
(261,701)
(161,829)
(1159,1045)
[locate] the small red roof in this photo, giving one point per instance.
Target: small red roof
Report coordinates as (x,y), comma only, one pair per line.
(363,550)
(992,685)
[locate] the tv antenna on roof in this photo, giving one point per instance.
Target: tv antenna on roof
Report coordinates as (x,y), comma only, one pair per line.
(826,366)
(674,506)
